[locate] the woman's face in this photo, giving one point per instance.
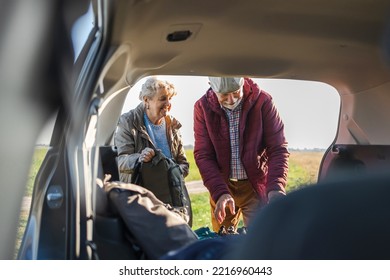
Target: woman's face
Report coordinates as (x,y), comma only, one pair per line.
(159,105)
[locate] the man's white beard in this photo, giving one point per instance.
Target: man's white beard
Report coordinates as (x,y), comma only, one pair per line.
(231,107)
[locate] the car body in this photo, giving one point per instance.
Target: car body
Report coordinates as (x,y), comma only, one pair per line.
(46,70)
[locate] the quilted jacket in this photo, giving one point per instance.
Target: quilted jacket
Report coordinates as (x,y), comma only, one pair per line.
(263,147)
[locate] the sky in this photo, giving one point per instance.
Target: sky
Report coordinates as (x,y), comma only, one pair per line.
(309,110)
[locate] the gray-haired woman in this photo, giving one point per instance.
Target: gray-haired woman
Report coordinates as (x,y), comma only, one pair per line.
(149,127)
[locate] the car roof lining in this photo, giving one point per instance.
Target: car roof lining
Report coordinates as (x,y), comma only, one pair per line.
(341,43)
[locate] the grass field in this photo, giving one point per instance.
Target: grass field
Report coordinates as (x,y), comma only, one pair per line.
(303,170)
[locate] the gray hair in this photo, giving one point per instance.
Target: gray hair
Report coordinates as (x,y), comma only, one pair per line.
(150,87)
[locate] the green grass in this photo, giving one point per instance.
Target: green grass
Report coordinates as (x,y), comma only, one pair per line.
(303,169)
(38,157)
(200,210)
(19,235)
(194,174)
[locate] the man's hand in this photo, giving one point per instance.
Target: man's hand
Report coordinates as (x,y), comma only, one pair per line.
(226,200)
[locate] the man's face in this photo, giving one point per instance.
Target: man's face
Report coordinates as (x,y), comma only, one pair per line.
(230,100)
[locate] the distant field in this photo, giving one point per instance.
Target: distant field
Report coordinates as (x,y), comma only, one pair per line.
(303,170)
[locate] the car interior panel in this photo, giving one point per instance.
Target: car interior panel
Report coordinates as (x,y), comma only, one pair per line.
(347,160)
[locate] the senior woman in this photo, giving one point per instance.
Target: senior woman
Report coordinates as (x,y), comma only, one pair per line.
(149,127)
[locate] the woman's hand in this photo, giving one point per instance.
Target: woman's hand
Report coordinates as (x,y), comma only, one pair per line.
(146,155)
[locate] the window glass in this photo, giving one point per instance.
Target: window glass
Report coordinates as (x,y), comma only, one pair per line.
(81,29)
(47,131)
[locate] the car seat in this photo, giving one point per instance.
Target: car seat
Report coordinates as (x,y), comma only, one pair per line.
(334,220)
(111,237)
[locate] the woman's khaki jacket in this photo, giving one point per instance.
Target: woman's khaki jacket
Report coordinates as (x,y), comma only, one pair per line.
(132,137)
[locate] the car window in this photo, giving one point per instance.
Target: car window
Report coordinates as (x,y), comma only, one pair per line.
(81,30)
